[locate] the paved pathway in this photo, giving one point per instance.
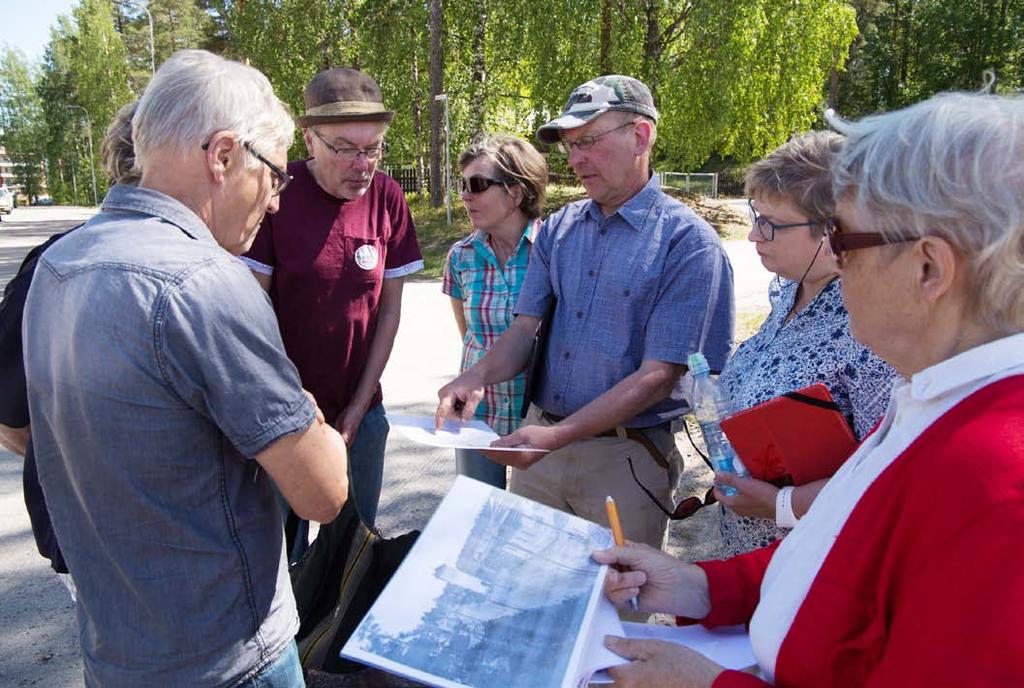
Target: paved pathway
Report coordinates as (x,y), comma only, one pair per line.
(38,642)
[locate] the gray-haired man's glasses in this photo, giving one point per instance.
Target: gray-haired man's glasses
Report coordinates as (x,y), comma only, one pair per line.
(350,154)
(585,142)
(279,179)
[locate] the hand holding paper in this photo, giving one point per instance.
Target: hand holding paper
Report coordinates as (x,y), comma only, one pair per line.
(524,447)
(660,663)
(473,434)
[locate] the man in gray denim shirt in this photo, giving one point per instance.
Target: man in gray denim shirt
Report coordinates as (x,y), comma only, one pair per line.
(640,283)
(155,373)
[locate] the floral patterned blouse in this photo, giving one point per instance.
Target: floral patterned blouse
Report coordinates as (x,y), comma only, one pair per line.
(814,346)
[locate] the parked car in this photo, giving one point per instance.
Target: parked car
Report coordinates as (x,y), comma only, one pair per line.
(6,200)
(43,200)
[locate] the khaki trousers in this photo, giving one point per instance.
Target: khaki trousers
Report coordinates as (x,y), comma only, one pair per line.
(577,478)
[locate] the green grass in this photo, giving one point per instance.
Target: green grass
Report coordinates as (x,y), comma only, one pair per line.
(434,233)
(747,323)
(436,236)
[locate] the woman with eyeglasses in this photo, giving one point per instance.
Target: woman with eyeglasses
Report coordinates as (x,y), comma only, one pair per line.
(806,338)
(503,186)
(907,570)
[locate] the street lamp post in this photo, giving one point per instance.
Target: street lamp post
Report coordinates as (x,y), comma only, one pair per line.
(92,159)
(152,47)
(447,158)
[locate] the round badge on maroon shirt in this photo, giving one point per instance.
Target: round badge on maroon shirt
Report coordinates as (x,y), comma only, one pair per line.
(366,257)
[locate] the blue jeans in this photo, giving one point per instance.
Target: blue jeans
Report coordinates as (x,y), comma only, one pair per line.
(365,473)
(283,672)
(366,462)
(473,464)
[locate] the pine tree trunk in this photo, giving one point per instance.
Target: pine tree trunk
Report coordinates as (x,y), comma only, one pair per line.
(479,78)
(604,59)
(436,88)
(417,122)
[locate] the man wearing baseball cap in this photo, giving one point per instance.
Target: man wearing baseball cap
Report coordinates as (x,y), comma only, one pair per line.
(639,282)
(334,259)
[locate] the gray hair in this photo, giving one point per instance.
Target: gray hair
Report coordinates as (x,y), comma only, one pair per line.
(951,166)
(195,94)
(799,171)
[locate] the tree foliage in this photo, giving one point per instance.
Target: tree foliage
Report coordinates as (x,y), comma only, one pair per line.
(21,121)
(731,77)
(911,49)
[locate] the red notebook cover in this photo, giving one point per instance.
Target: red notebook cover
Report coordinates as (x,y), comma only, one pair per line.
(801,434)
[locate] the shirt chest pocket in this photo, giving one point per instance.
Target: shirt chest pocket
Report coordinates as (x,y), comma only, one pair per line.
(363,260)
(625,294)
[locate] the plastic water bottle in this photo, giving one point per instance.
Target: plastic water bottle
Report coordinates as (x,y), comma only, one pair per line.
(710,406)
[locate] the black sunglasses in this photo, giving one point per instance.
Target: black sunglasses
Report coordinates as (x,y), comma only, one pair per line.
(476,184)
(691,505)
(684,509)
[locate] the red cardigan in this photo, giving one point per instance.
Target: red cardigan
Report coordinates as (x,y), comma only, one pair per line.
(924,585)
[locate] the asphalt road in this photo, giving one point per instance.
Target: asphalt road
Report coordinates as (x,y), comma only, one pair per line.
(38,639)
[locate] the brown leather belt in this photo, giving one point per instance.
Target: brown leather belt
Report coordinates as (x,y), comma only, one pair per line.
(635,434)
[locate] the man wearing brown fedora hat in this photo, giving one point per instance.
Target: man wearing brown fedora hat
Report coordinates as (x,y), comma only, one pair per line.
(334,261)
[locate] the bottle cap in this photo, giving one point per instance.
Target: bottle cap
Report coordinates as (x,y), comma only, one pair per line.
(697,364)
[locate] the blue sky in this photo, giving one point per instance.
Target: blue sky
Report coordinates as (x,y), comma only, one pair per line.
(26,25)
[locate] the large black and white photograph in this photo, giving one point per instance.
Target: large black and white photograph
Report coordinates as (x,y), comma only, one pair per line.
(495,592)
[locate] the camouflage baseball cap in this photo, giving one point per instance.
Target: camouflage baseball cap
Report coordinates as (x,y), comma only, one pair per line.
(596,97)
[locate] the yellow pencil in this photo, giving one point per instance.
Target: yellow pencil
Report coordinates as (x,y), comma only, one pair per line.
(617,534)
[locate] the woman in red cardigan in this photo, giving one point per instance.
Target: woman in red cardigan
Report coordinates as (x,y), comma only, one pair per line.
(908,569)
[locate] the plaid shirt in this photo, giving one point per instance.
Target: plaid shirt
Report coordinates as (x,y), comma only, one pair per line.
(488,293)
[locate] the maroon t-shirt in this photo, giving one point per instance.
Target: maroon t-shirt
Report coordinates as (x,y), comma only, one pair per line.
(329,258)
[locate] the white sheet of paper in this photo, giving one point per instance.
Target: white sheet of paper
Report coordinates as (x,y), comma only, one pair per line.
(728,645)
(473,434)
(596,656)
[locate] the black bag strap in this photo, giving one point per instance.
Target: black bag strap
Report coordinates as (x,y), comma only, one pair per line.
(813,401)
(540,345)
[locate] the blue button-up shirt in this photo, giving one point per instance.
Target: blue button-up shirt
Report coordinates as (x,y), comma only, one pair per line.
(652,281)
(155,368)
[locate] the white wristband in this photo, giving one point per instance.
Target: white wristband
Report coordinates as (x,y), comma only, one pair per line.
(784,516)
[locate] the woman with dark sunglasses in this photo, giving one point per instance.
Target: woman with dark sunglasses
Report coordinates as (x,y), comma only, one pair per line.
(503,186)
(806,338)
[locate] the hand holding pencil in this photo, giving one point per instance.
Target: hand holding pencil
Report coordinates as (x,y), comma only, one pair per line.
(657,580)
(620,538)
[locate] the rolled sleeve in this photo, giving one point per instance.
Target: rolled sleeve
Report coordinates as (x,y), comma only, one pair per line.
(403,255)
(694,308)
(225,358)
(450,283)
(537,288)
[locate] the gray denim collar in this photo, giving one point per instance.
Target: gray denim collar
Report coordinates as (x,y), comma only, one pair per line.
(137,199)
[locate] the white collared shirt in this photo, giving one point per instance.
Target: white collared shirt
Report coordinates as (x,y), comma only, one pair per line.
(913,406)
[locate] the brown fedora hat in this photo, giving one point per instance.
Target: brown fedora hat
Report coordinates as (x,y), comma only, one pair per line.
(343,95)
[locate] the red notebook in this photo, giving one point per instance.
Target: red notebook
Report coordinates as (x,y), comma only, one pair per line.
(801,434)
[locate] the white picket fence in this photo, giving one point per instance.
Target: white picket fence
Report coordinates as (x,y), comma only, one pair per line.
(704,183)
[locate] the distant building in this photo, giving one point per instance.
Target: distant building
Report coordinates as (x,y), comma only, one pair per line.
(10,180)
(7,172)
